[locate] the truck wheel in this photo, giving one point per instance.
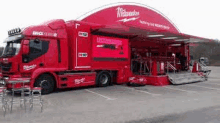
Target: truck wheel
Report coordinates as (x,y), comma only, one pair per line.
(103,79)
(47,83)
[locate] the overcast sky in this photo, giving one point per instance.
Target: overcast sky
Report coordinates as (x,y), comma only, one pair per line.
(195,17)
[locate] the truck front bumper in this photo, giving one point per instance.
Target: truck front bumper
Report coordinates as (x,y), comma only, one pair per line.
(18,82)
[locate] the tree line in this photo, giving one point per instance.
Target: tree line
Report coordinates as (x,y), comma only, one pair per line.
(211,50)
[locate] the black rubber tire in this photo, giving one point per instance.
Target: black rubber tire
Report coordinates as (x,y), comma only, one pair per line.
(48,83)
(103,79)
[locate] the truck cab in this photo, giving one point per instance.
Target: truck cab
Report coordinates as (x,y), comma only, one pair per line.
(34,52)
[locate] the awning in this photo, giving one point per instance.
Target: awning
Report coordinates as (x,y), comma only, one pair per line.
(130,31)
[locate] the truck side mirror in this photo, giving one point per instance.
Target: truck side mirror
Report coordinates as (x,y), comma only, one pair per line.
(26,48)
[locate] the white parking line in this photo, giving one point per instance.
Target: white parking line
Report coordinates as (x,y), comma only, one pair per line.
(108,98)
(205,87)
(180,89)
(152,94)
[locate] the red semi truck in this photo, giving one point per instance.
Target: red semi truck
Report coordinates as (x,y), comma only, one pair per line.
(118,44)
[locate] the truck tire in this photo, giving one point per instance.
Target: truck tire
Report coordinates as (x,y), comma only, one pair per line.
(103,79)
(47,83)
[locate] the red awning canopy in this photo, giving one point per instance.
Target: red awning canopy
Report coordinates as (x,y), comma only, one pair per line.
(163,35)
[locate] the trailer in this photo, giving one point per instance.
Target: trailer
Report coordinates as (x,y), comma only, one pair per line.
(120,43)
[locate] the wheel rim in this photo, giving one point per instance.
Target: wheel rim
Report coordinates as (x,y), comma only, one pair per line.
(45,85)
(104,79)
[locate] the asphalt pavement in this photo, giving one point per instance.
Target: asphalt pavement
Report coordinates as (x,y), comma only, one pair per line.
(189,103)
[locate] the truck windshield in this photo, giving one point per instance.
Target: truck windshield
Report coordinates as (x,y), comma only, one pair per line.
(12,48)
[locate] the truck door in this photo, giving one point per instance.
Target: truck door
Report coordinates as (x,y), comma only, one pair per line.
(83,47)
(35,58)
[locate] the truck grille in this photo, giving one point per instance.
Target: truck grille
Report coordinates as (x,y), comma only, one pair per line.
(6,67)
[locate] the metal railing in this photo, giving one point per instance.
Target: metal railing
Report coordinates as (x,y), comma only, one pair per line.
(169,65)
(143,66)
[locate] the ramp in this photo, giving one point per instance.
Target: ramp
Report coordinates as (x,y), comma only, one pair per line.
(183,78)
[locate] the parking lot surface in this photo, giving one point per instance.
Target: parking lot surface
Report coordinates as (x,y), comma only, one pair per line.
(121,103)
